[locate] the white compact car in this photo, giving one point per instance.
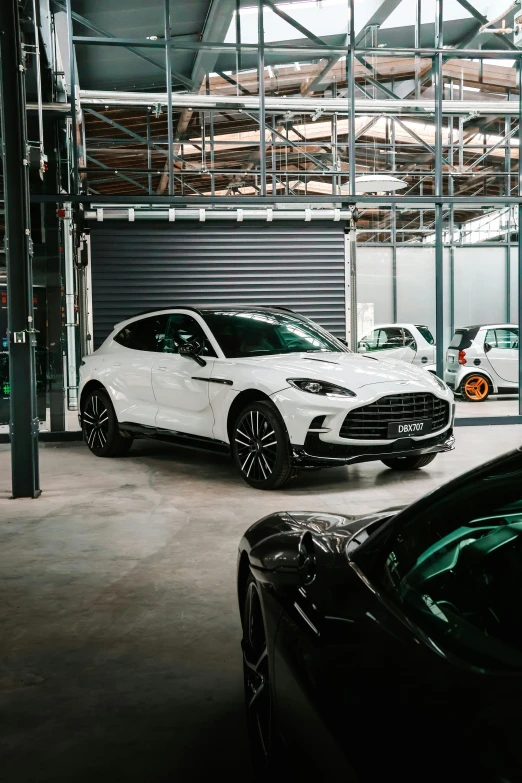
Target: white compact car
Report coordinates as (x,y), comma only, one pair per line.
(483,360)
(270,386)
(412,343)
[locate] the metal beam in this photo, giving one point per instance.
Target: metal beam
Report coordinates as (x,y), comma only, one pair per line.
(18,248)
(115,171)
(484,20)
(294,23)
(386,8)
(97,29)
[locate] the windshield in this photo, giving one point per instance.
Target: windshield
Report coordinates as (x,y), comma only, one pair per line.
(454,563)
(243,333)
(426,334)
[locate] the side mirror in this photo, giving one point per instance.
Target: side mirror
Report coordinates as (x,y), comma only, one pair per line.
(285,559)
(343,341)
(362,348)
(487,347)
(193,351)
(413,345)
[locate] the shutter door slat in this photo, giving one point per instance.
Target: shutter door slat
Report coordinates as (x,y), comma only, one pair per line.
(138,266)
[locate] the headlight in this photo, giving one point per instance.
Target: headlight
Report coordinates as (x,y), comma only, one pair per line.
(320,387)
(440,382)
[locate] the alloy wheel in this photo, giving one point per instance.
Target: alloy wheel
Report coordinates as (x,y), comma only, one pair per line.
(256,445)
(256,677)
(476,387)
(96,423)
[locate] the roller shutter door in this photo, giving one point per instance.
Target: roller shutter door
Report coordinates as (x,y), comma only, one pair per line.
(142,265)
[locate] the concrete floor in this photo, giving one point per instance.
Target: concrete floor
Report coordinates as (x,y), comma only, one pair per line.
(119,630)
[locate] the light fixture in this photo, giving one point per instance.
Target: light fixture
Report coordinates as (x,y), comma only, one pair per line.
(376,183)
(152,37)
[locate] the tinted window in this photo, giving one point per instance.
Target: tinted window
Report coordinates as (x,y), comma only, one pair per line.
(147,334)
(182,328)
(384,339)
(457,338)
(502,338)
(454,562)
(426,334)
(464,337)
(259,333)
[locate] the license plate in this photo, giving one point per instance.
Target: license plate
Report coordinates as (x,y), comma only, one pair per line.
(406,429)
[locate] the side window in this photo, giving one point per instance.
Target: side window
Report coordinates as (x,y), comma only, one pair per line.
(389,338)
(507,338)
(182,329)
(147,334)
(409,339)
(370,342)
(491,338)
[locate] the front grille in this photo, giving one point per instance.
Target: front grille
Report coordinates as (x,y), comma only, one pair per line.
(371,421)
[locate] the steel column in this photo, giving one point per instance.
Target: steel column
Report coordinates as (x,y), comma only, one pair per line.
(168,66)
(72,88)
(350,76)
(18,247)
(519,290)
(261,82)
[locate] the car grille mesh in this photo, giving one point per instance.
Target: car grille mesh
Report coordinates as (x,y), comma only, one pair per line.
(371,421)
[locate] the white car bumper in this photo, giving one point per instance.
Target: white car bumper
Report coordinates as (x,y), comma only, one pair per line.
(314,426)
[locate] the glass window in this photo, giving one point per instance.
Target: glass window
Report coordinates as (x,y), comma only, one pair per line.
(454,562)
(426,334)
(409,339)
(502,338)
(384,339)
(183,328)
(147,334)
(252,333)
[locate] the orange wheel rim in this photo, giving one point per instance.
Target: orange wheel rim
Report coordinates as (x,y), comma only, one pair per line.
(476,387)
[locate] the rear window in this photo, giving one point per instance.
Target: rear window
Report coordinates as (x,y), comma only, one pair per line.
(464,337)
(426,334)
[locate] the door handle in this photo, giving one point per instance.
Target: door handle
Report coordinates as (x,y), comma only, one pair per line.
(117,364)
(162,369)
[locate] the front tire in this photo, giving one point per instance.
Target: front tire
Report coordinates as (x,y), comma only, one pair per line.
(256,678)
(100,427)
(261,448)
(409,463)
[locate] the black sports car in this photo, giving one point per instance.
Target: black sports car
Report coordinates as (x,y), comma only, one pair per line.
(389,647)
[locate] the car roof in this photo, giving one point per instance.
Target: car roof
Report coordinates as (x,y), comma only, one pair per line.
(205,310)
(485,326)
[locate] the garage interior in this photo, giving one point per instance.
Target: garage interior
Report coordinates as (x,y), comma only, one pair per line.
(357,162)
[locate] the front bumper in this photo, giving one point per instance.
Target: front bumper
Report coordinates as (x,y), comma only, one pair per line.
(316,453)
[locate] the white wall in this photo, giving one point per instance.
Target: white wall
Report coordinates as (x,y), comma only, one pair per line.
(375,280)
(479,284)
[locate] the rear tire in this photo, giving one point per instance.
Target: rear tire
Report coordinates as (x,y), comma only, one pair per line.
(409,463)
(100,426)
(261,448)
(475,388)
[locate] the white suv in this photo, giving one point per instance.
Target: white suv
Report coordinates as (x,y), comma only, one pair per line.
(270,386)
(483,360)
(412,343)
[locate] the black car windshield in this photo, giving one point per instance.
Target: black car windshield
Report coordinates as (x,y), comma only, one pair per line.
(243,333)
(454,562)
(426,334)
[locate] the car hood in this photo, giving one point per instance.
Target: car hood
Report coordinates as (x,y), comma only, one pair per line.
(352,370)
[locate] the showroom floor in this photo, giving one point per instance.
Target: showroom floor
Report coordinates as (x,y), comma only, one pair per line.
(119,630)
